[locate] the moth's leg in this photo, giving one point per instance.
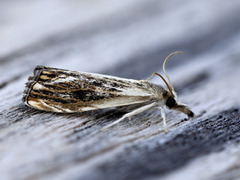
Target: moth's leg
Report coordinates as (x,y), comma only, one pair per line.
(164,120)
(130,114)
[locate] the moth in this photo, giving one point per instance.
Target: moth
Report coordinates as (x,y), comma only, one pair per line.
(64,91)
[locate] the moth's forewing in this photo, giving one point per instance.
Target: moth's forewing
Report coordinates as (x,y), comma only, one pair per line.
(59,90)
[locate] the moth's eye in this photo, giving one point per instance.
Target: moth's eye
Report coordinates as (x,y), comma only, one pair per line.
(170,102)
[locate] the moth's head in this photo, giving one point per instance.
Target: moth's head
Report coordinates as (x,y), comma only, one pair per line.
(170,96)
(172,103)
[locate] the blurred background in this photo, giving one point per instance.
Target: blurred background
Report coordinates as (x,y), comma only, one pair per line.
(124,38)
(128,39)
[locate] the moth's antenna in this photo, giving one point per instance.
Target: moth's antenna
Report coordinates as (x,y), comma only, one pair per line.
(165,82)
(164,63)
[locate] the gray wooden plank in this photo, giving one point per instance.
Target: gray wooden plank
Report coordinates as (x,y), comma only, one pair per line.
(128,40)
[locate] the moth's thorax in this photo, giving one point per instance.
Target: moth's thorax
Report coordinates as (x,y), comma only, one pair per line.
(159,92)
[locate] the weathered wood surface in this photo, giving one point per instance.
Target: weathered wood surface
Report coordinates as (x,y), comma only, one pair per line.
(126,39)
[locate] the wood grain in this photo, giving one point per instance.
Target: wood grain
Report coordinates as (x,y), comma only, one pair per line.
(130,40)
